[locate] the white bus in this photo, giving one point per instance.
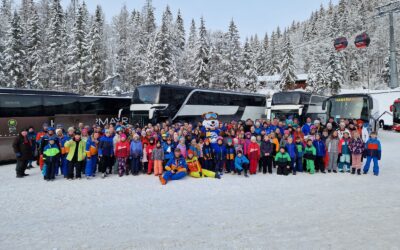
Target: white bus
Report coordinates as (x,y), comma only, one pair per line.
(298,104)
(157,103)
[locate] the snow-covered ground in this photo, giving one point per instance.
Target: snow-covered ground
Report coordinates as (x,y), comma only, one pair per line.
(333,211)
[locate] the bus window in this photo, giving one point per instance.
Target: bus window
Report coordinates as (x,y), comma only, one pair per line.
(149,95)
(90,105)
(54,105)
(20,105)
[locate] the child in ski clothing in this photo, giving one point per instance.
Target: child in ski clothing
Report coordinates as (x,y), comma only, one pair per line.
(291,150)
(344,153)
(319,158)
(149,153)
(122,151)
(246,143)
(267,149)
(208,154)
(195,169)
(356,146)
(136,154)
(51,154)
(230,157)
(309,155)
(92,145)
(106,153)
(220,155)
(283,160)
(254,154)
(145,161)
(373,152)
(169,148)
(332,145)
(300,154)
(158,157)
(175,169)
(76,155)
(182,146)
(241,163)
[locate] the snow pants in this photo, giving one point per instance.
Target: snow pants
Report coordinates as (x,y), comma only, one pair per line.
(150,166)
(122,166)
(344,163)
(21,167)
(208,164)
(90,168)
(135,165)
(77,166)
(368,163)
(356,161)
(332,163)
(282,170)
(292,165)
(230,166)
(319,163)
(169,175)
(299,164)
(253,166)
(203,173)
(310,166)
(266,162)
(51,170)
(105,163)
(63,165)
(219,165)
(158,167)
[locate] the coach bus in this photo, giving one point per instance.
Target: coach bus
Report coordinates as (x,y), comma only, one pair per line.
(395,108)
(156,103)
(23,108)
(297,104)
(353,106)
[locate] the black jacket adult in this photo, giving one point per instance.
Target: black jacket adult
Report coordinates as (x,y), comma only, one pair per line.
(267,147)
(23,147)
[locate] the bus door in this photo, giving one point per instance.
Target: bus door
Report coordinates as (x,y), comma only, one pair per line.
(73,120)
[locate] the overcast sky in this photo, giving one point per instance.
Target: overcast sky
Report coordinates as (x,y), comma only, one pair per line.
(251,16)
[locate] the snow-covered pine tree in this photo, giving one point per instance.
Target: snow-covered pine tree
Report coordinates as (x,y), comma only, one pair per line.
(190,52)
(334,73)
(249,68)
(232,55)
(164,61)
(121,28)
(354,72)
(5,19)
(33,48)
(385,71)
(288,75)
(217,48)
(201,63)
(54,69)
(179,44)
(97,56)
(273,66)
(79,51)
(316,82)
(14,54)
(149,22)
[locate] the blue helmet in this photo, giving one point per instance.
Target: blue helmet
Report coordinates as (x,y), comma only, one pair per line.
(50,129)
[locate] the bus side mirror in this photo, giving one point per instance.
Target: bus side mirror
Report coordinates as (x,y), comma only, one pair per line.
(323,105)
(392,108)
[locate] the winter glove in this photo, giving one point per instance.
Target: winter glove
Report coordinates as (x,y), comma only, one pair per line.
(18,155)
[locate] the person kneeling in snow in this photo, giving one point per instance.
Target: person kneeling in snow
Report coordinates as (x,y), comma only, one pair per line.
(241,163)
(175,169)
(195,169)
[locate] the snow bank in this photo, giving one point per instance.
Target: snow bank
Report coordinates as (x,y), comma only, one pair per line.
(332,211)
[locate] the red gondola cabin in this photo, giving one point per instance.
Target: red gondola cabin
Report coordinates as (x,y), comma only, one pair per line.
(362,41)
(341,43)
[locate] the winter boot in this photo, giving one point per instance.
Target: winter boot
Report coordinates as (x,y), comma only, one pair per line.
(353,170)
(162,180)
(359,171)
(217,176)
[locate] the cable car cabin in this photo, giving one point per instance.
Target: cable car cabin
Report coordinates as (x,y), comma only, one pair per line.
(362,41)
(341,43)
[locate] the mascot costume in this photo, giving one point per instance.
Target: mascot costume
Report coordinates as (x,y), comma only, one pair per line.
(211,127)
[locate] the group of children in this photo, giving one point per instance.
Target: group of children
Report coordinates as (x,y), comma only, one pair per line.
(126,150)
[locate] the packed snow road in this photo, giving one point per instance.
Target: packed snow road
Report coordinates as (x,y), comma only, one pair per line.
(332,211)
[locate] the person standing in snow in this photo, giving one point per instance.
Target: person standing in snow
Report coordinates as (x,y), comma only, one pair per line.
(106,153)
(23,151)
(356,146)
(309,155)
(76,156)
(344,153)
(158,158)
(122,151)
(332,145)
(373,152)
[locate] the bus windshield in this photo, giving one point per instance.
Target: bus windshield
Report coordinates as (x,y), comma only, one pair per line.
(286,98)
(146,94)
(349,108)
